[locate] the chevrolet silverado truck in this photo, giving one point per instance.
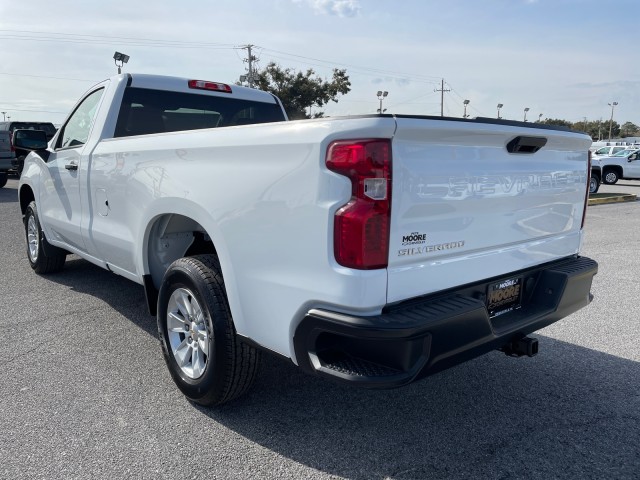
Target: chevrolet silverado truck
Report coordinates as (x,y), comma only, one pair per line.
(622,165)
(373,250)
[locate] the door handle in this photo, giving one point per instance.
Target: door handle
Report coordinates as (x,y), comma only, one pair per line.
(71,166)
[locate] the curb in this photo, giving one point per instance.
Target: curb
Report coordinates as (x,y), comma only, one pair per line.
(603,198)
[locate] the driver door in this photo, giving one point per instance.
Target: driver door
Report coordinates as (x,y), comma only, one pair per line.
(632,169)
(60,202)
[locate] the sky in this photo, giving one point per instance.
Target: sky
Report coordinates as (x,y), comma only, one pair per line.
(565,59)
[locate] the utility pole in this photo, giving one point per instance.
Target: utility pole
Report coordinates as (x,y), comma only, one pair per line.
(600,129)
(612,105)
(250,76)
(442,90)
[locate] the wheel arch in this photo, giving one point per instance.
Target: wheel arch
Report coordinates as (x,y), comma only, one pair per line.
(26,196)
(176,228)
(171,236)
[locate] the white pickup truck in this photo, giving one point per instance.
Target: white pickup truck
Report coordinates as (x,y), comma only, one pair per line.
(622,165)
(372,250)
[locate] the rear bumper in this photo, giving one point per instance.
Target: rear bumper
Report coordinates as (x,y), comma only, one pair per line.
(6,163)
(425,335)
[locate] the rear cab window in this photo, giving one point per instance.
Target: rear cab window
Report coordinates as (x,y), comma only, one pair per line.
(145,111)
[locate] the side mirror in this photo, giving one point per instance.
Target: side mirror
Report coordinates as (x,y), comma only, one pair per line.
(632,157)
(30,139)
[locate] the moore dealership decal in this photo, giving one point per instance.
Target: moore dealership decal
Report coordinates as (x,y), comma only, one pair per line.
(414,238)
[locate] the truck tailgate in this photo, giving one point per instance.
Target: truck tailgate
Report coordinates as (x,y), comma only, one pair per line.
(474,200)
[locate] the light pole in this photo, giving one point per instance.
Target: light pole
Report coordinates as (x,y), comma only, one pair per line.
(540,117)
(465,103)
(3,116)
(499,107)
(612,105)
(526,109)
(122,58)
(381,95)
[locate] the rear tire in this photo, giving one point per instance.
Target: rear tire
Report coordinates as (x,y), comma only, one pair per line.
(594,184)
(611,177)
(3,179)
(207,361)
(43,257)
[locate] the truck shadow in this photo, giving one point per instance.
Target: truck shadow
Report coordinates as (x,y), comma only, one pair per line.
(569,413)
(124,296)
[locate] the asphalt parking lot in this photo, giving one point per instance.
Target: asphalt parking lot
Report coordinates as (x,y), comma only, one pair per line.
(84,392)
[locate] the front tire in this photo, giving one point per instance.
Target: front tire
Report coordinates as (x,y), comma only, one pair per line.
(43,257)
(3,179)
(207,361)
(611,177)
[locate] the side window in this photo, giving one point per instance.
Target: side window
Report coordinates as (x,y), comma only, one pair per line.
(602,151)
(76,131)
(618,149)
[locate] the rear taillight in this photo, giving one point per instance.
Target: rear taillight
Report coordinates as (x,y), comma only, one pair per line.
(586,197)
(213,86)
(13,149)
(361,227)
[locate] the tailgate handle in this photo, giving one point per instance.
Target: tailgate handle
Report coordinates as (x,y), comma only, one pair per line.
(526,144)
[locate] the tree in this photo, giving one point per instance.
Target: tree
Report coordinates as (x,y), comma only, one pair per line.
(615,129)
(629,129)
(298,91)
(557,121)
(595,128)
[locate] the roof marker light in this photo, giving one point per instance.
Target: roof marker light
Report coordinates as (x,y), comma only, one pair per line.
(213,86)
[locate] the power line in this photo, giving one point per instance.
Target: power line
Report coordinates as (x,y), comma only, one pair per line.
(32,35)
(43,76)
(85,38)
(378,71)
(470,105)
(36,111)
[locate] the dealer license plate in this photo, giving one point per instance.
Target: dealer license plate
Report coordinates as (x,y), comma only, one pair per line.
(504,296)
